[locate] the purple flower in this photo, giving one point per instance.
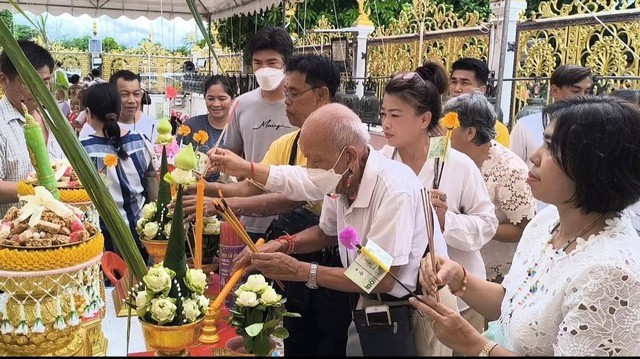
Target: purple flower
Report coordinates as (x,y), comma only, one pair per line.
(349,238)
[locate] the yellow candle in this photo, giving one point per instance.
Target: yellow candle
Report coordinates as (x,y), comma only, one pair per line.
(197,261)
(230,284)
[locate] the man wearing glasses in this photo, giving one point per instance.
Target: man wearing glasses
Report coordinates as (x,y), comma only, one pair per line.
(311,81)
(131,116)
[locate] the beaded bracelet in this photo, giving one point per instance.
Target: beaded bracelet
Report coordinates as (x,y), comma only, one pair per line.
(463,287)
(290,244)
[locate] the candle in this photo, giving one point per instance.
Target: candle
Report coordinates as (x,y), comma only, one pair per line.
(39,154)
(230,284)
(197,261)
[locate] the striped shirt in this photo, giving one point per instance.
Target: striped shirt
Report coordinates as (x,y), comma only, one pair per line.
(15,164)
(125,181)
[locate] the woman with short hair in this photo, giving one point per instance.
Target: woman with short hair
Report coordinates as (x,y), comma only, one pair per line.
(574,283)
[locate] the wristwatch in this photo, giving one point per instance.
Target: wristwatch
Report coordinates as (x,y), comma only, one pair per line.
(313,272)
(486,351)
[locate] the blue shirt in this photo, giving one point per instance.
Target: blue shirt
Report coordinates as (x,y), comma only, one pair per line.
(125,181)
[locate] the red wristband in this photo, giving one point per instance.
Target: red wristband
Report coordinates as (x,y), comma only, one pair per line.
(253,170)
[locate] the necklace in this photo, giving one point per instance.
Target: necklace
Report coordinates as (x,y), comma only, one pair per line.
(533,270)
(585,229)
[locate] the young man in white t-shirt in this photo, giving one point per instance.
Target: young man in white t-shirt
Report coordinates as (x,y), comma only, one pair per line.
(131,116)
(260,116)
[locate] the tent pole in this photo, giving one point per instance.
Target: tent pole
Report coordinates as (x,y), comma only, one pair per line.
(284,14)
(210,49)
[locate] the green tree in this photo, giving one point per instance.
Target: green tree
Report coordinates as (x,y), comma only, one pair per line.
(7,17)
(24,32)
(236,31)
(80,43)
(109,44)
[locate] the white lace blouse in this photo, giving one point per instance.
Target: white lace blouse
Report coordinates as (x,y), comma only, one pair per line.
(586,302)
(505,175)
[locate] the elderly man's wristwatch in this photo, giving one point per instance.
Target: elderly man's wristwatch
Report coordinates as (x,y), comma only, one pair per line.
(313,272)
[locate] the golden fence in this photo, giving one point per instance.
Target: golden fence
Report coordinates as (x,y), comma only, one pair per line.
(570,34)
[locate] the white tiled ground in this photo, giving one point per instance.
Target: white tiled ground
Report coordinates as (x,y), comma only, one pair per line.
(115,329)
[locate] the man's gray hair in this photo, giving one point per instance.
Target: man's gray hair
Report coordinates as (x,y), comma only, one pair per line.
(474,110)
(349,132)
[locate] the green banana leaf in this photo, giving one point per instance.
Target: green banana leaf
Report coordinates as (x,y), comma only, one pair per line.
(175,257)
(65,135)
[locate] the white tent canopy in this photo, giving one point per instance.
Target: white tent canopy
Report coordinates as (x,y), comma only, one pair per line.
(151,9)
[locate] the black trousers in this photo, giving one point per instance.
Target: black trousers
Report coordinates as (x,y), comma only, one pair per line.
(322,329)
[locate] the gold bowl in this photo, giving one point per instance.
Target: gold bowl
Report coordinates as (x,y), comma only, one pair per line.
(156,248)
(169,340)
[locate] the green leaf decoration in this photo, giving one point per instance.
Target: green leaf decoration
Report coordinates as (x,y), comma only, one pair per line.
(261,345)
(254,329)
(164,193)
(76,154)
(281,333)
(271,324)
(248,343)
(176,258)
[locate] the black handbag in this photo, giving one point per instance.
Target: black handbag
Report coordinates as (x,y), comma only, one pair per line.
(394,339)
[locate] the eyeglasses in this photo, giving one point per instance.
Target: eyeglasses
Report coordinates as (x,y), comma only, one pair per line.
(136,94)
(292,96)
(410,75)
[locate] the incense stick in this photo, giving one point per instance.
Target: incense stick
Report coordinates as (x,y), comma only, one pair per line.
(226,210)
(428,219)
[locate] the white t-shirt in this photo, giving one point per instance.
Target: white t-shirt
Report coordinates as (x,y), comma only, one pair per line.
(577,304)
(146,126)
(470,221)
(253,126)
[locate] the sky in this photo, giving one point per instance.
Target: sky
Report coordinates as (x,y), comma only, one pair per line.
(128,32)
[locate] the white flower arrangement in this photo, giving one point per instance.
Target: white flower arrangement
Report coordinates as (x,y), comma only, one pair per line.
(258,314)
(154,304)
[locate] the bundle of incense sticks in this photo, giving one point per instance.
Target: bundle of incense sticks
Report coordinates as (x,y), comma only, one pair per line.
(227,214)
(428,219)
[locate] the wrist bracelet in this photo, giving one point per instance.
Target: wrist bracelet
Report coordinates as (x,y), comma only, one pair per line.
(253,170)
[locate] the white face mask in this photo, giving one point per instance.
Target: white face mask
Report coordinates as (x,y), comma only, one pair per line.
(269,78)
(326,181)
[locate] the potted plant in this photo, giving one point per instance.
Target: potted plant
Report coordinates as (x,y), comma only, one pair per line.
(257,317)
(170,301)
